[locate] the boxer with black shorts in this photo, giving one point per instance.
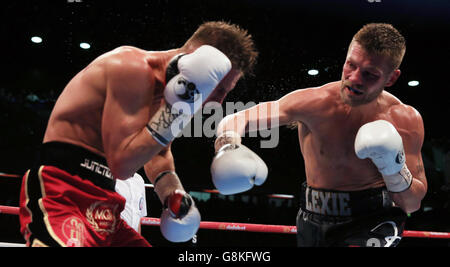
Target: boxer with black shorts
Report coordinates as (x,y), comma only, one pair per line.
(361,147)
(117,115)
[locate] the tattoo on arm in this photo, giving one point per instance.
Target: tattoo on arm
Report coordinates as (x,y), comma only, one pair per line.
(420,167)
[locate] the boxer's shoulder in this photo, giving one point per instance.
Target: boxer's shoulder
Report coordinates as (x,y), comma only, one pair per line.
(324,97)
(316,95)
(330,91)
(405,116)
(129,57)
(304,104)
(404,111)
(407,120)
(124,60)
(125,50)
(127,67)
(397,112)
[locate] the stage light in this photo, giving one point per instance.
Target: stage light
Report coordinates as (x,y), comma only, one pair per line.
(85,45)
(313,72)
(413,83)
(36,39)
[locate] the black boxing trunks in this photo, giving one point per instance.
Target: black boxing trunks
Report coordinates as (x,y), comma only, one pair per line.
(328,218)
(68,199)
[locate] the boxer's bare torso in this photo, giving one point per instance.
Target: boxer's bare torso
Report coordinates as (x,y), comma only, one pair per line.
(328,118)
(105,108)
(78,115)
(327,132)
(327,127)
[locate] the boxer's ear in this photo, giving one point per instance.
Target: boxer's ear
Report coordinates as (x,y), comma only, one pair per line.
(393,78)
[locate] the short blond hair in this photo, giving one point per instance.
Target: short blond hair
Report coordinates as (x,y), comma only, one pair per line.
(382,39)
(235,42)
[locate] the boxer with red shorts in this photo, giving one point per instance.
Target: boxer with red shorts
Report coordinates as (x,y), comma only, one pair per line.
(68,199)
(118,115)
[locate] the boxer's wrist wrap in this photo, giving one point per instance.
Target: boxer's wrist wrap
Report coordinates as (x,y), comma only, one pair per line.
(400,181)
(161,175)
(228,137)
(164,187)
(167,124)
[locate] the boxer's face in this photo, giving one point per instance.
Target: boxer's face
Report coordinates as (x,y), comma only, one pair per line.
(225,86)
(364,76)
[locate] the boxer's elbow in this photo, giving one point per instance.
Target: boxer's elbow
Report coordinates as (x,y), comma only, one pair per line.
(120,172)
(410,200)
(409,205)
(122,161)
(119,169)
(132,154)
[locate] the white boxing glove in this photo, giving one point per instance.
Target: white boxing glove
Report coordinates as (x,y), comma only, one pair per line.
(197,75)
(380,141)
(235,168)
(180,218)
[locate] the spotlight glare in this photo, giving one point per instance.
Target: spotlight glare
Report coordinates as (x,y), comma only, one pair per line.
(313,72)
(413,83)
(85,45)
(36,39)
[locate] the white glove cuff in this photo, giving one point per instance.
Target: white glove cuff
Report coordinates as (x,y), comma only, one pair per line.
(400,181)
(228,137)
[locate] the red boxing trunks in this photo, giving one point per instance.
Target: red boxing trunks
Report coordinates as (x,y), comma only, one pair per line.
(68,199)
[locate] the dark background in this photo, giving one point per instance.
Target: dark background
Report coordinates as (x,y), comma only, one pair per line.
(291,36)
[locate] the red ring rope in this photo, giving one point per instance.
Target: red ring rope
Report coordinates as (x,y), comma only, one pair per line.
(282,229)
(249,227)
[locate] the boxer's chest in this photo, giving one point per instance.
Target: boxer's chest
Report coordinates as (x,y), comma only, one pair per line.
(333,137)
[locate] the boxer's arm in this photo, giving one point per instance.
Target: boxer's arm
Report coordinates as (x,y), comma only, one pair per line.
(180,218)
(235,168)
(126,141)
(292,107)
(162,167)
(412,132)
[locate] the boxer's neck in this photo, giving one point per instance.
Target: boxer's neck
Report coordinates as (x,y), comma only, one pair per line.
(368,109)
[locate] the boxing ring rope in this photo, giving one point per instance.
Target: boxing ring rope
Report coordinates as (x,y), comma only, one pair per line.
(250,227)
(245,227)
